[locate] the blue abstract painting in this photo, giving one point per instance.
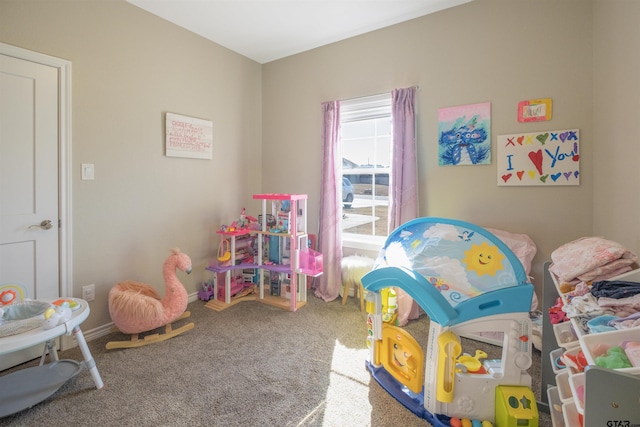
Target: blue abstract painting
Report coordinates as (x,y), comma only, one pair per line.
(464,135)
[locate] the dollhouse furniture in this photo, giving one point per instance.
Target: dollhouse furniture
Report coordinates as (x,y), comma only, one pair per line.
(282,249)
(19,390)
(227,268)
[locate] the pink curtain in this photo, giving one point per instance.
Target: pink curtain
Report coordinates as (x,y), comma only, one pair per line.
(403,182)
(330,228)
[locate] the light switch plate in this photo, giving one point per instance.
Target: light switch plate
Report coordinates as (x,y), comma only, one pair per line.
(88,171)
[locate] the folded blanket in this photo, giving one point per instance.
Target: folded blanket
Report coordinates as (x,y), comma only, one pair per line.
(621,307)
(607,271)
(615,289)
(587,254)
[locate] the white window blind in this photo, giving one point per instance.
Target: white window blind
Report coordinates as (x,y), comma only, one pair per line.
(365,108)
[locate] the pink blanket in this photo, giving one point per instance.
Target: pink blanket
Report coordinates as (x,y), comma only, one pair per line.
(589,257)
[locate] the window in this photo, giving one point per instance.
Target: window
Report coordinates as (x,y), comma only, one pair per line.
(365,126)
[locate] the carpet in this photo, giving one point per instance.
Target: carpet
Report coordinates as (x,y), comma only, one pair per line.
(251,364)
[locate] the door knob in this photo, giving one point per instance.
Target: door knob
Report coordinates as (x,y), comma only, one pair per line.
(45,225)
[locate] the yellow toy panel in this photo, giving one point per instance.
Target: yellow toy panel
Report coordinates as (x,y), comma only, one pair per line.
(402,357)
(449,348)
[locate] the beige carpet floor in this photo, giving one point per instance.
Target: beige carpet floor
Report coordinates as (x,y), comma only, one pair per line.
(249,365)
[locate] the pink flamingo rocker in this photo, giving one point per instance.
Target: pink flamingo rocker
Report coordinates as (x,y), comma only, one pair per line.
(136,307)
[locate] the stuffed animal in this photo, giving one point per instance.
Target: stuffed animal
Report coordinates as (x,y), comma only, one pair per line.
(136,307)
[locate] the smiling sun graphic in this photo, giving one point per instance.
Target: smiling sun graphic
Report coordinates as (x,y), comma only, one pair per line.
(483,259)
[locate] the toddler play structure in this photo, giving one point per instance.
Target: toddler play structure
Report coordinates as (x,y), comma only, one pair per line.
(467,281)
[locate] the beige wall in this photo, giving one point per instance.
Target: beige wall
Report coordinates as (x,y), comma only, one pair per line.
(496,51)
(616,110)
(128,69)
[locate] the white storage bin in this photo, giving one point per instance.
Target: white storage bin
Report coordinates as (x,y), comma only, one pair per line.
(577,328)
(574,352)
(576,383)
(593,344)
(570,414)
(556,283)
(564,390)
(555,407)
(565,335)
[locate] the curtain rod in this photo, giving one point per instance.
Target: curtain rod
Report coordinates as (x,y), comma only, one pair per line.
(375,94)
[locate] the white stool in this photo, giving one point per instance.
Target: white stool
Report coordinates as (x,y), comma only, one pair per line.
(354,267)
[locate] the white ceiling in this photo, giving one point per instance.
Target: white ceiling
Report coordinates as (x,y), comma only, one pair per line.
(266,30)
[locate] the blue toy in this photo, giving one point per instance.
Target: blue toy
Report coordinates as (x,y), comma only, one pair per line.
(468,281)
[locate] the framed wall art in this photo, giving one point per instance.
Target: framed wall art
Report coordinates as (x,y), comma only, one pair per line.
(464,135)
(188,137)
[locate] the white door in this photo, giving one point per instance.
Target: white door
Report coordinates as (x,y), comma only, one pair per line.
(29,211)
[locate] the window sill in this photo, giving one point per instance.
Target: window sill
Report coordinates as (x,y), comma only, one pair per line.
(364,243)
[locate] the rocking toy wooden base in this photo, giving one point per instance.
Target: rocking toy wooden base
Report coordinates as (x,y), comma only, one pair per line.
(153,338)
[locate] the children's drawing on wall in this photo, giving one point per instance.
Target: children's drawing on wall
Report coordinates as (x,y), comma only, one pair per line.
(535,110)
(539,158)
(464,135)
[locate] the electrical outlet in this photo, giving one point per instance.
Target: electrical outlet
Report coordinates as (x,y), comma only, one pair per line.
(89,292)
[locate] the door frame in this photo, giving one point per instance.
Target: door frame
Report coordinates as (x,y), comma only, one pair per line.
(65,258)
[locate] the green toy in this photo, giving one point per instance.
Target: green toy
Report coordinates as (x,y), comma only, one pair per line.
(614,359)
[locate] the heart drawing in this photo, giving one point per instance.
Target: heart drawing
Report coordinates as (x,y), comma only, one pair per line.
(542,138)
(536,159)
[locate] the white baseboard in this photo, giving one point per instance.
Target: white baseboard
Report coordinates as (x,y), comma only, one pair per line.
(193,297)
